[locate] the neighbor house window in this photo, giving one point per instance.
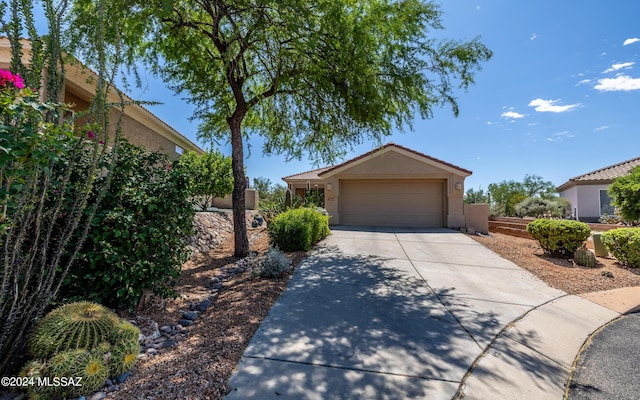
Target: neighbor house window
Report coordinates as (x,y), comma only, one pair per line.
(605,203)
(178,149)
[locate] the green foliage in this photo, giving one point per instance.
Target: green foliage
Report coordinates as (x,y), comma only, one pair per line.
(271,209)
(138,236)
(625,195)
(624,244)
(272,265)
(298,229)
(210,175)
(80,325)
(506,195)
(476,196)
(84,340)
(538,207)
(534,186)
(559,238)
(585,258)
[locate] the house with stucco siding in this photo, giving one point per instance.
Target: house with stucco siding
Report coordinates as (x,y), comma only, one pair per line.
(389,186)
(588,193)
(139,125)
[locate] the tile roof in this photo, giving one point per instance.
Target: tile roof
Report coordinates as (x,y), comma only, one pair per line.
(308,175)
(604,174)
(317,173)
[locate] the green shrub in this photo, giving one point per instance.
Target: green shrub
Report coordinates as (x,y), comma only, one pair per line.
(559,238)
(537,207)
(138,236)
(624,244)
(298,229)
(272,265)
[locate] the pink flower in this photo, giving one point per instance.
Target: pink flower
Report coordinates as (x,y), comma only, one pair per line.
(18,82)
(7,77)
(101,142)
(91,135)
(167,168)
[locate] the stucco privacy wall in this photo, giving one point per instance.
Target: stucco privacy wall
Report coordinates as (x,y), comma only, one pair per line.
(391,164)
(477,217)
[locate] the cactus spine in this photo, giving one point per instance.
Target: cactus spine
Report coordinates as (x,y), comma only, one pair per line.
(81,325)
(585,258)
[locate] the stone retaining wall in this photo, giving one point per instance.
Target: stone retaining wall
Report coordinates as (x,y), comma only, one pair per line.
(212,228)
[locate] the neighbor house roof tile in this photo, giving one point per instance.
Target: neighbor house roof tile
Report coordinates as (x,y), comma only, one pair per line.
(606,174)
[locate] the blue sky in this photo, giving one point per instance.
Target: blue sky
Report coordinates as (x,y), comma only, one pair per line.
(559,98)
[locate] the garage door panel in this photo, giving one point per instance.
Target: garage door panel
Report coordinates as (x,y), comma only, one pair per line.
(392,203)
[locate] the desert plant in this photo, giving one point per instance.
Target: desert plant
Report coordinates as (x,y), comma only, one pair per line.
(585,258)
(559,238)
(123,356)
(625,195)
(298,229)
(81,340)
(139,235)
(273,264)
(81,325)
(624,244)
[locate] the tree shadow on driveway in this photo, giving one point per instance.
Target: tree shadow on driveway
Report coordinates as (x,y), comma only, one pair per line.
(359,327)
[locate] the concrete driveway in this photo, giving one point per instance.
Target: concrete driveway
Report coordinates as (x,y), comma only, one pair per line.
(383,313)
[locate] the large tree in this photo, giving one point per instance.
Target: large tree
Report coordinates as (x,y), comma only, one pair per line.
(312,77)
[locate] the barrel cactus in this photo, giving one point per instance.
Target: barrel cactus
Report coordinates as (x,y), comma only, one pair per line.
(80,340)
(123,356)
(584,258)
(80,325)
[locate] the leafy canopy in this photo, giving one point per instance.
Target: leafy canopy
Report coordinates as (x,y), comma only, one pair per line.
(210,175)
(317,76)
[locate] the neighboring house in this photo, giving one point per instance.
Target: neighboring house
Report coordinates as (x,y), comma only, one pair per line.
(389,186)
(588,193)
(139,125)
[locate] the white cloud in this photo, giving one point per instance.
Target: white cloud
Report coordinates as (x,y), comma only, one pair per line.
(631,41)
(584,81)
(534,36)
(616,67)
(560,136)
(511,115)
(601,128)
(550,106)
(622,83)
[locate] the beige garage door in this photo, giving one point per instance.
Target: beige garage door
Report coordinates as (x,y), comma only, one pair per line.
(392,203)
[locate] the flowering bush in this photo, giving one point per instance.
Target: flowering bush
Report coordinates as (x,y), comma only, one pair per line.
(8,79)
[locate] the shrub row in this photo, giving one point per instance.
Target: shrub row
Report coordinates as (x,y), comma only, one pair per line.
(298,229)
(561,238)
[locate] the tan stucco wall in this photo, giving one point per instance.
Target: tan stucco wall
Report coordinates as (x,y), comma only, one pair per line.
(251,200)
(477,217)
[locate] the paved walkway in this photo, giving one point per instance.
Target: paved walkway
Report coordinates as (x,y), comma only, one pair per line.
(408,314)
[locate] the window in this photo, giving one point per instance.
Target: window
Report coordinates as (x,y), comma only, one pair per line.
(605,203)
(178,149)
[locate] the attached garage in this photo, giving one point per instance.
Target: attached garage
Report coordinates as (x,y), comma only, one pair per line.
(381,202)
(389,186)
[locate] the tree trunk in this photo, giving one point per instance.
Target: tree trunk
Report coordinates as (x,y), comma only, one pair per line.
(237,162)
